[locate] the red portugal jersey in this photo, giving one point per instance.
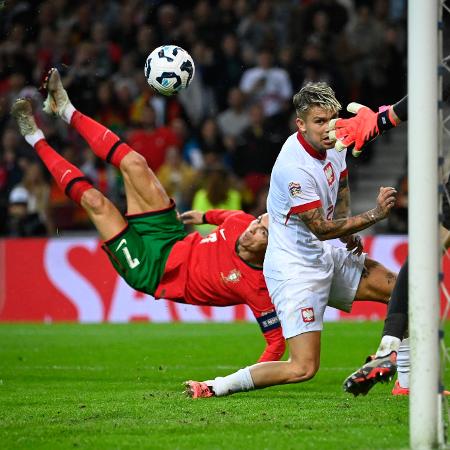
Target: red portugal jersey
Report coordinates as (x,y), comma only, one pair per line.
(208,271)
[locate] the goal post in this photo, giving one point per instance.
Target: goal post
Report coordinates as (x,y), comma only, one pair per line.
(423,125)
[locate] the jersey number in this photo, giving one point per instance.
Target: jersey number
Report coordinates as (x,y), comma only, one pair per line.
(210,238)
(213,237)
(132,262)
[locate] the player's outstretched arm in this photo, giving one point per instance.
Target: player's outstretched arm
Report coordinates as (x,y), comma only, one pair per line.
(271,329)
(366,125)
(325,229)
(192,217)
(276,346)
(212,216)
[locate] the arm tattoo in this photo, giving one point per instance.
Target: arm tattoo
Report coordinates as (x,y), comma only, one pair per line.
(325,229)
(342,208)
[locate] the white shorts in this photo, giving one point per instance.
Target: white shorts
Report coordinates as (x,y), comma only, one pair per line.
(300,303)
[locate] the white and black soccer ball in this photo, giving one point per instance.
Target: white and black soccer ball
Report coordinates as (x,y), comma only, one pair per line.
(169,69)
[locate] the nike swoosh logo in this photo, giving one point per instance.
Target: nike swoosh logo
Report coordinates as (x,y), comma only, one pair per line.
(64,175)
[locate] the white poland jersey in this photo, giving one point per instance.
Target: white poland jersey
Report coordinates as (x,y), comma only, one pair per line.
(301,179)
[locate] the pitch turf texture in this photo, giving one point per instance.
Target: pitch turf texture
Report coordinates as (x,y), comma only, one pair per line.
(120,386)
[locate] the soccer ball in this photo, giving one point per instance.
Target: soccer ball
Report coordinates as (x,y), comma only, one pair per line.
(169,69)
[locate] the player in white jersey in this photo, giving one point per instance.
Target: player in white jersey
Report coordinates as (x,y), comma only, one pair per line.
(308,203)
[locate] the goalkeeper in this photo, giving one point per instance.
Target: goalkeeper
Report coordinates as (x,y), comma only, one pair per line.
(393,351)
(149,247)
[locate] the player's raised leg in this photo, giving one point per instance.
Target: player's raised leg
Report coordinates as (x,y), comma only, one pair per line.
(143,190)
(69,178)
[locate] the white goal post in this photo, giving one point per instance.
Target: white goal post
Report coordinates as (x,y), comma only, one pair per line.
(423,129)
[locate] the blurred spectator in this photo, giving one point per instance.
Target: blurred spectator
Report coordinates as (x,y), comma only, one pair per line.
(11,170)
(4,112)
(126,73)
(266,84)
(257,30)
(255,153)
(127,30)
(217,193)
(15,63)
(178,178)
(28,208)
(12,159)
(186,35)
(230,67)
(227,18)
(321,33)
(82,22)
(364,35)
(166,22)
(45,54)
(14,85)
(205,21)
(392,64)
(199,100)
(147,96)
(314,67)
(190,149)
(335,12)
(211,142)
(107,53)
(146,42)
(151,141)
(109,111)
(233,121)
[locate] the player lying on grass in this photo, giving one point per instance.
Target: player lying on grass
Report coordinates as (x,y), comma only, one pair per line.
(149,247)
(309,203)
(393,351)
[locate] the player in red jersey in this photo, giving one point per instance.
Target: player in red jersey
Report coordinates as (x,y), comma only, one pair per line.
(149,247)
(223,269)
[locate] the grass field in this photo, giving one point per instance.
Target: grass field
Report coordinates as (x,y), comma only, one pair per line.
(120,386)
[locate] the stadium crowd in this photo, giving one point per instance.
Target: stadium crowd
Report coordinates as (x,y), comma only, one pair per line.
(214,144)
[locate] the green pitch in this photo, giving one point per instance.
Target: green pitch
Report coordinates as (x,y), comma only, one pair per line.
(120,386)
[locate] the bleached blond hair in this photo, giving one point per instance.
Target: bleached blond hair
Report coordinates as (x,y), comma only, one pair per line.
(315,94)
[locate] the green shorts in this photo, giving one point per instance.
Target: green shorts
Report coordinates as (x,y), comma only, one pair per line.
(139,253)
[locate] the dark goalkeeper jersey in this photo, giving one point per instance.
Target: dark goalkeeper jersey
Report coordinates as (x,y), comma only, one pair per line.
(208,271)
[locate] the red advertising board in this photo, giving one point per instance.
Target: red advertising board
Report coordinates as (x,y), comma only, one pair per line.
(71,279)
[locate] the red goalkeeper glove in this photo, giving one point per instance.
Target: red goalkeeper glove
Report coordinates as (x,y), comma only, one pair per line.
(361,129)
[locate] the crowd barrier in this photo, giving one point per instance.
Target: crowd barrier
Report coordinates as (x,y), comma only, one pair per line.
(71,279)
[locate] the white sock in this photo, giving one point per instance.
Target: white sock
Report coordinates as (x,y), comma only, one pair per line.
(236,382)
(388,344)
(403,364)
(35,137)
(67,113)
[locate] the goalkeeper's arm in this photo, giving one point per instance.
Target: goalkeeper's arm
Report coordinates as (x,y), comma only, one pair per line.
(366,125)
(400,109)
